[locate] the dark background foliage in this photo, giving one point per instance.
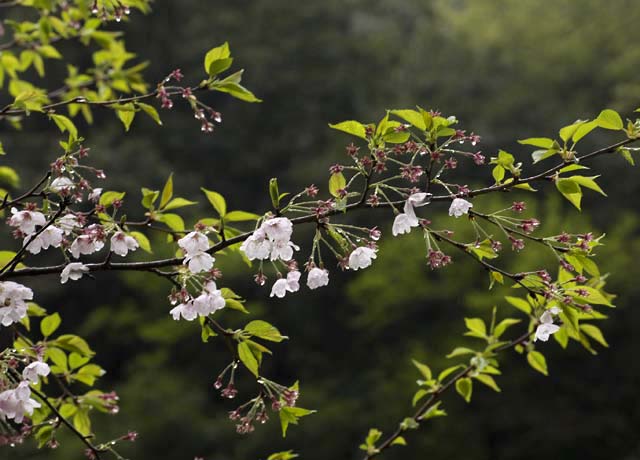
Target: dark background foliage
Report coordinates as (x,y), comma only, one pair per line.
(508,70)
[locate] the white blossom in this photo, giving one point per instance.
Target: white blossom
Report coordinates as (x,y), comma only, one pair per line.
(34,370)
(73,271)
(121,243)
(289,284)
(546,327)
(317,277)
(278,228)
(361,257)
(13,297)
(459,207)
(199,262)
(415,200)
(49,237)
(402,224)
(257,246)
(283,250)
(16,403)
(61,183)
(85,244)
(185,310)
(193,243)
(26,221)
(209,301)
(95,195)
(67,223)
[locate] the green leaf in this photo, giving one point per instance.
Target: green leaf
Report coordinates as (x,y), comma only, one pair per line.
(477,326)
(291,415)
(570,190)
(219,66)
(274,192)
(107,198)
(351,127)
(57,357)
(126,114)
(65,124)
(72,342)
(538,362)
(248,358)
(215,54)
(610,119)
(9,176)
(151,111)
(167,192)
(240,216)
(423,368)
(567,132)
(236,90)
(588,182)
(173,221)
(433,411)
(81,422)
(460,351)
(50,324)
(217,201)
(412,116)
(178,203)
(265,331)
(464,387)
(399,441)
(503,325)
(583,130)
(76,360)
(488,381)
(594,296)
(520,304)
(595,333)
(337,182)
(286,455)
(143,241)
(149,197)
(542,142)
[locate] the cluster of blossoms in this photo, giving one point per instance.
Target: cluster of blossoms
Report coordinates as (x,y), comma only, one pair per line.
(195,246)
(16,403)
(13,298)
(189,308)
(272,240)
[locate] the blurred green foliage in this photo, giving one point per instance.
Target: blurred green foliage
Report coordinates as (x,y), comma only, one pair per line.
(508,70)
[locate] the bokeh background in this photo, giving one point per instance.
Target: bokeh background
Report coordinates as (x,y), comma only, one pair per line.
(508,70)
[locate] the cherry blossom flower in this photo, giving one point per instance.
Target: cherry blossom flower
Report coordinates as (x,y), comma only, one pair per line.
(199,262)
(283,250)
(546,327)
(50,236)
(291,284)
(209,301)
(194,242)
(34,370)
(361,258)
(26,221)
(16,403)
(257,246)
(402,224)
(185,310)
(95,195)
(67,223)
(459,207)
(278,228)
(85,244)
(73,271)
(121,243)
(317,277)
(13,297)
(61,184)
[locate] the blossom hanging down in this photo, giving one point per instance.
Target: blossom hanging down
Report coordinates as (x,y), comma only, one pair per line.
(26,221)
(33,371)
(272,240)
(121,243)
(13,298)
(289,284)
(317,277)
(195,245)
(17,403)
(73,271)
(459,207)
(208,302)
(361,257)
(408,219)
(546,326)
